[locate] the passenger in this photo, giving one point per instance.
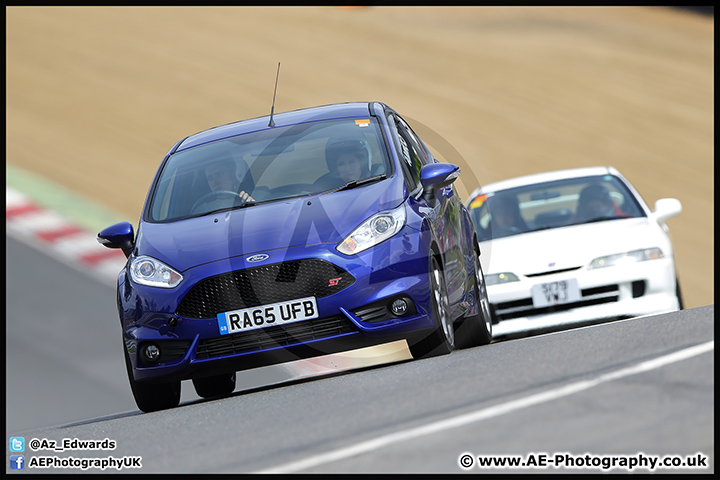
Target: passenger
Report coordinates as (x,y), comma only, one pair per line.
(347,161)
(505,218)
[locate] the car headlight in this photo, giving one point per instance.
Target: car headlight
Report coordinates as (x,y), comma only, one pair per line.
(627,258)
(153,273)
(374,230)
(497,278)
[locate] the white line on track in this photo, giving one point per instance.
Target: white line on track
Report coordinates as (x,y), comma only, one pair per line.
(487,413)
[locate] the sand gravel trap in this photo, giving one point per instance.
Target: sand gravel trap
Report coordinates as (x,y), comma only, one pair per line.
(97,95)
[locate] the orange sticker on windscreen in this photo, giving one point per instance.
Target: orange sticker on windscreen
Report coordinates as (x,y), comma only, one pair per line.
(362,123)
(478,201)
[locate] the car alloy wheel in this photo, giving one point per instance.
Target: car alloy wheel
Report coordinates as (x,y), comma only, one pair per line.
(442,338)
(442,305)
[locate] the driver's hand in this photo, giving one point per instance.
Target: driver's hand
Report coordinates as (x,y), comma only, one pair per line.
(245,197)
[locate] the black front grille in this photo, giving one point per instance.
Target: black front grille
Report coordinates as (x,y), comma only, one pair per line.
(525,308)
(262,285)
(172,349)
(552,272)
(284,335)
(372,314)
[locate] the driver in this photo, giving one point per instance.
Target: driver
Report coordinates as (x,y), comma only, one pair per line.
(594,202)
(221,175)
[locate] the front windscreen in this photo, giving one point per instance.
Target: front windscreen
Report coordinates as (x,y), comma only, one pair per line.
(269,165)
(553,204)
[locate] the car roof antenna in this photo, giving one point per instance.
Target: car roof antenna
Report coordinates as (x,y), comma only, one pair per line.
(272,109)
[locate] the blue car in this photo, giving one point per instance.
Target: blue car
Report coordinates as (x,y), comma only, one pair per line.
(293,236)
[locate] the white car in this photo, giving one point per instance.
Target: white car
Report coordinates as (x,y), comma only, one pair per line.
(573,247)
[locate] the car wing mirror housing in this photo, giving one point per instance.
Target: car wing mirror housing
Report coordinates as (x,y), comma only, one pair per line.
(666,208)
(435,176)
(119,235)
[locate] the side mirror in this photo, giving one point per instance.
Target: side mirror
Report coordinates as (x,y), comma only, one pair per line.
(666,208)
(438,175)
(120,235)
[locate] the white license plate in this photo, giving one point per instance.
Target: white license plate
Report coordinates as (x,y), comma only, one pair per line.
(555,293)
(267,315)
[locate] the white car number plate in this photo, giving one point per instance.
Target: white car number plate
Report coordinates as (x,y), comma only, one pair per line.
(267,315)
(555,293)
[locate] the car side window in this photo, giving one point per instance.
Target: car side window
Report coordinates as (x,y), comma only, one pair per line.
(417,145)
(410,153)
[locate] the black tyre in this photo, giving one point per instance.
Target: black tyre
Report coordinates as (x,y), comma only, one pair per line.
(215,386)
(681,304)
(442,340)
(151,397)
(476,329)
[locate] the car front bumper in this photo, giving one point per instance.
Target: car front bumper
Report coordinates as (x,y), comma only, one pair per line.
(644,288)
(355,317)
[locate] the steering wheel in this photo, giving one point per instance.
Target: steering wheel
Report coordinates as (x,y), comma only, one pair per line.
(214,196)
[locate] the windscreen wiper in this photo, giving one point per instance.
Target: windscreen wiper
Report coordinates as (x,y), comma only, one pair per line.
(362,181)
(227,209)
(602,219)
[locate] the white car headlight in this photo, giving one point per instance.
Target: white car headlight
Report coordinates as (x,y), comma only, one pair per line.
(627,258)
(374,230)
(498,278)
(153,273)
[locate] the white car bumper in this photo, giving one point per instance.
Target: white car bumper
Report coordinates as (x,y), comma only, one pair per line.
(606,293)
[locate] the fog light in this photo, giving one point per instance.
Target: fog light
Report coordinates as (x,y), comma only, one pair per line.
(152,352)
(399,307)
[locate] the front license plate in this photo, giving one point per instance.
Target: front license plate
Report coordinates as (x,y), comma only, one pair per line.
(555,293)
(267,315)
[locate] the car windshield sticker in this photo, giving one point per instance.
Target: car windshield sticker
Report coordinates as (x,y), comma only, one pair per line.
(478,201)
(362,123)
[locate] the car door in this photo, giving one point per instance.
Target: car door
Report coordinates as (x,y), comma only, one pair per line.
(445,217)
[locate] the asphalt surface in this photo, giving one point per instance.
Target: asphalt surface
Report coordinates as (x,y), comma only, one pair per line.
(66,380)
(64,344)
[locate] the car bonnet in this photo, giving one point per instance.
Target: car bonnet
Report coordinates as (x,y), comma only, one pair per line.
(325,218)
(570,247)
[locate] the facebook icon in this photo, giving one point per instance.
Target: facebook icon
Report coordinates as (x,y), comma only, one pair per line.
(17,462)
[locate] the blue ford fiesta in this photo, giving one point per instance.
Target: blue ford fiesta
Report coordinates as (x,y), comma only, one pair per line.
(292,236)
